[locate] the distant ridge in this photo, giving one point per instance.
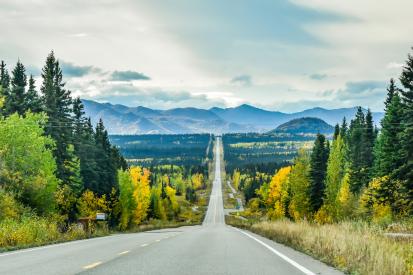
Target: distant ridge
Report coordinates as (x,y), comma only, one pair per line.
(305,125)
(120,119)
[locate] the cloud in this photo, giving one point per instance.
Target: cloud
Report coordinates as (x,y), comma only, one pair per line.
(394,65)
(242,80)
(318,76)
(71,70)
(128,76)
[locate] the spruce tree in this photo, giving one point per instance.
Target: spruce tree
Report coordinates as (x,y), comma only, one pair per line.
(386,150)
(33,100)
(106,169)
(57,105)
(369,139)
(343,129)
(4,83)
(336,131)
(355,155)
(405,172)
(16,99)
(318,168)
(4,76)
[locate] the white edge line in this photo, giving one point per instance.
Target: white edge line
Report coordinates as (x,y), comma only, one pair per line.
(285,258)
(24,250)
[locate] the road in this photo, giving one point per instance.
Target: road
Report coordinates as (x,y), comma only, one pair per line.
(213,248)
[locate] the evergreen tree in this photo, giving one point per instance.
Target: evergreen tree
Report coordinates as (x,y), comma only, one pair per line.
(106,169)
(4,76)
(386,150)
(343,129)
(16,99)
(369,139)
(33,100)
(358,177)
(336,131)
(57,105)
(391,91)
(405,172)
(318,168)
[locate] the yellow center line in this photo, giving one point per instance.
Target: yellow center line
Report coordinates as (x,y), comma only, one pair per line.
(124,252)
(92,265)
(157,240)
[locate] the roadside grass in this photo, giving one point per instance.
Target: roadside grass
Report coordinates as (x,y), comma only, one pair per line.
(36,231)
(353,247)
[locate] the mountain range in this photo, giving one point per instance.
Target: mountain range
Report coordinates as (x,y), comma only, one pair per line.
(120,119)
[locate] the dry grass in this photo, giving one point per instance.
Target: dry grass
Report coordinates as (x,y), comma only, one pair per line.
(354,247)
(34,231)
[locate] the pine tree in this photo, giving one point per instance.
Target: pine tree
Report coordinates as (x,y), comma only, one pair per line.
(33,100)
(405,172)
(318,168)
(57,105)
(16,99)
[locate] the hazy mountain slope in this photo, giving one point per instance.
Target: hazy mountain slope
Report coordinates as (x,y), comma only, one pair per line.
(305,125)
(120,119)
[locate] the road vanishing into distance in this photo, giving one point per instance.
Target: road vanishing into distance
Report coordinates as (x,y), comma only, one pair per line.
(213,248)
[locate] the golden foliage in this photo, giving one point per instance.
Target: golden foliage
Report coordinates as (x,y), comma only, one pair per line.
(89,204)
(141,193)
(197,181)
(278,193)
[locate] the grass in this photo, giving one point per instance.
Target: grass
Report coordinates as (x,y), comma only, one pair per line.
(35,231)
(353,247)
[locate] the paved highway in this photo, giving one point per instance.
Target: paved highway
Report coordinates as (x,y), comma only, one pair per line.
(213,248)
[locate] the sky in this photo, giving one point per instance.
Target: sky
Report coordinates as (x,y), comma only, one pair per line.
(286,55)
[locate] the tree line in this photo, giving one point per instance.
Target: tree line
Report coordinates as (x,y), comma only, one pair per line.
(56,165)
(363,172)
(50,153)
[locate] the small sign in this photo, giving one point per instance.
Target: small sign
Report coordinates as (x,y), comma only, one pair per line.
(100,216)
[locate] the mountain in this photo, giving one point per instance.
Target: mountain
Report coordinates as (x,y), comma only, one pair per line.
(125,120)
(120,119)
(305,125)
(266,120)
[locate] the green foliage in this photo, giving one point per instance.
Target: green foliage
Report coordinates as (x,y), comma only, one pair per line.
(28,167)
(300,204)
(334,176)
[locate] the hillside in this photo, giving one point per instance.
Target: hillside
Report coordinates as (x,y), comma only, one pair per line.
(305,125)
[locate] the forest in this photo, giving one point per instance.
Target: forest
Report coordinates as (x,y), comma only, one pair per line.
(265,152)
(339,200)
(57,169)
(149,150)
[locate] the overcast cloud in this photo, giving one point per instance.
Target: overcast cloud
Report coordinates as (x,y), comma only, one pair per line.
(285,55)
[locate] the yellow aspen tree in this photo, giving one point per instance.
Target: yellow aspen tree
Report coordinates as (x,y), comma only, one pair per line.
(236,178)
(197,181)
(278,193)
(141,193)
(171,194)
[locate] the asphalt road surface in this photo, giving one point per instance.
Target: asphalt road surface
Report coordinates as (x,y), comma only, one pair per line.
(213,248)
